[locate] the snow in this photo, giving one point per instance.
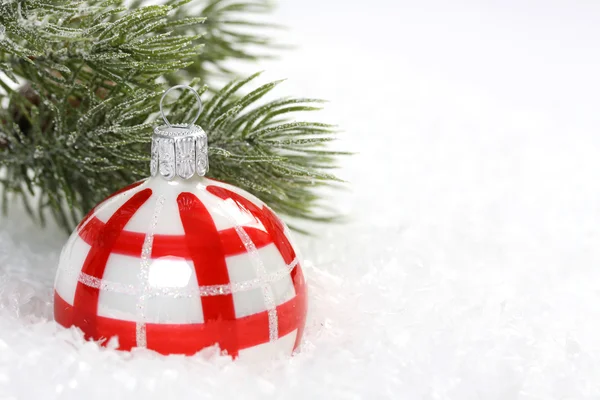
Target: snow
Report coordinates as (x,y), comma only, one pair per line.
(469,268)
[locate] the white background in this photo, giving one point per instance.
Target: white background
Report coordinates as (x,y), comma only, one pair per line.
(470,266)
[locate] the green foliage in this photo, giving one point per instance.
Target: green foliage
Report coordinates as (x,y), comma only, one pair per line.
(82,82)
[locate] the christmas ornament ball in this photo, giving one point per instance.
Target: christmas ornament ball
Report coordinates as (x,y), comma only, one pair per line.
(179,262)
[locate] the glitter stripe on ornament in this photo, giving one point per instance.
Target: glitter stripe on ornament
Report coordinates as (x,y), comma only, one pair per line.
(176,292)
(267,290)
(104,285)
(140,327)
(261,272)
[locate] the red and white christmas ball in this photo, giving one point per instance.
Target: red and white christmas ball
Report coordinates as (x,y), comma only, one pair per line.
(177,263)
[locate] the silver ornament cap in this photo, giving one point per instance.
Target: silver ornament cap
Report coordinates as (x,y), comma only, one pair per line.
(179,150)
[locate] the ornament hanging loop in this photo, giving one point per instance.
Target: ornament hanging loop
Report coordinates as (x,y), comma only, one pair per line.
(200,107)
(179,150)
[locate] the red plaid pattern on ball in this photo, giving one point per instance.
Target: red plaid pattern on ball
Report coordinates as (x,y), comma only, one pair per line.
(209,250)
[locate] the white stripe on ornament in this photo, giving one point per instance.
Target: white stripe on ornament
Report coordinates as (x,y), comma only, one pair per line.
(140,326)
(108,286)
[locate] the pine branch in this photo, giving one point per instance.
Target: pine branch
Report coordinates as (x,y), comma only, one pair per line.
(282,162)
(78,127)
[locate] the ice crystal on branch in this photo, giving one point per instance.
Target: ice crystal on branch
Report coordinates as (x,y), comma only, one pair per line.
(80,87)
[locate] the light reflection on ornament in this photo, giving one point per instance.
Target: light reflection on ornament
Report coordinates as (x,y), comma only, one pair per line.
(169,272)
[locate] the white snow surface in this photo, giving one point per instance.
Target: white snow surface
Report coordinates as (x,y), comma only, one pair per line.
(470,267)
